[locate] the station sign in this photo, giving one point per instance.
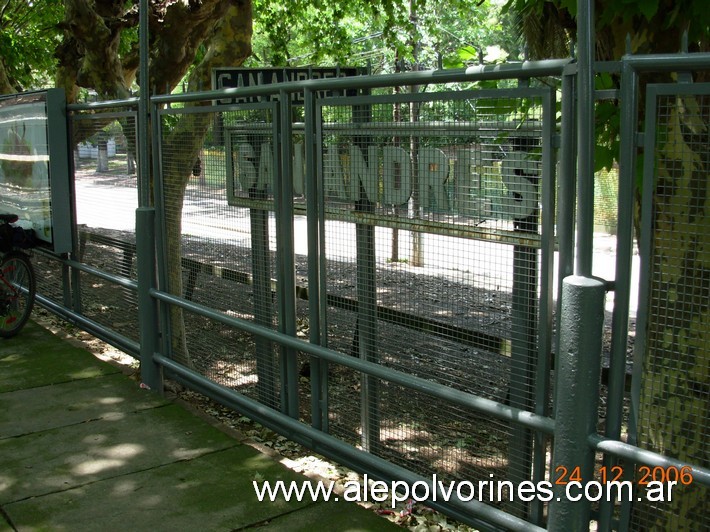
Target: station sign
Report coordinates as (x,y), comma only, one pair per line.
(228,77)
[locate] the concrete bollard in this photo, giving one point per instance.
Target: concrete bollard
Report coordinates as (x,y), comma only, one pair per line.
(577,398)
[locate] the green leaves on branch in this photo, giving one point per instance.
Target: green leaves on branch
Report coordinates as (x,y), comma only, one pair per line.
(383,32)
(28,35)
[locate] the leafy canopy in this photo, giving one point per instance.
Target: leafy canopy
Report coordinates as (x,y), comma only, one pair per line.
(379,32)
(28,30)
(37,37)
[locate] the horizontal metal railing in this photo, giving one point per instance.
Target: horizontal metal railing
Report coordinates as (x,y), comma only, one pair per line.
(470,401)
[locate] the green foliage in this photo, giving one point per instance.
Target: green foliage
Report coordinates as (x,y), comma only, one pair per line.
(654,25)
(381,32)
(607,127)
(650,21)
(314,29)
(606,186)
(294,33)
(28,35)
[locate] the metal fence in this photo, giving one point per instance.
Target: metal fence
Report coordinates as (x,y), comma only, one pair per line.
(379,277)
(671,383)
(306,248)
(95,284)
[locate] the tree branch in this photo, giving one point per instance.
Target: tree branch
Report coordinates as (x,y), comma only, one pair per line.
(184,28)
(89,56)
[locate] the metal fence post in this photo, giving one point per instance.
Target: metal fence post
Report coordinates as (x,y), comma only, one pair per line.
(523,361)
(151,373)
(366,325)
(263,304)
(266,363)
(286,276)
(578,368)
(319,368)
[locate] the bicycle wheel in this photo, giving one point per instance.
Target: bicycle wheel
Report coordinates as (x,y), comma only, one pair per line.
(17,292)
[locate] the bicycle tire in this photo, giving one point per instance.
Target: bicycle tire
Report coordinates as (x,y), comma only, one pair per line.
(17,292)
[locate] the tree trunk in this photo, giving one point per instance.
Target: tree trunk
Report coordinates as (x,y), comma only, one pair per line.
(130,161)
(90,56)
(178,155)
(102,156)
(417,257)
(5,85)
(181,146)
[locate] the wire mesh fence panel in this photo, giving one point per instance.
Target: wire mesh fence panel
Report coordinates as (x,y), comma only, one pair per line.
(226,251)
(418,224)
(606,186)
(106,198)
(105,181)
(432,268)
(447,441)
(674,398)
(606,196)
(49,276)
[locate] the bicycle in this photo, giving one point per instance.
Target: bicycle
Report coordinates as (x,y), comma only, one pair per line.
(17,278)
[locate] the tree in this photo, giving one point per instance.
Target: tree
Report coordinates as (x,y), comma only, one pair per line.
(677,355)
(96,47)
(388,37)
(26,33)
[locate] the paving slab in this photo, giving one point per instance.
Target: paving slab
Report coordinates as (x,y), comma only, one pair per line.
(36,357)
(116,444)
(327,516)
(72,402)
(213,492)
(82,447)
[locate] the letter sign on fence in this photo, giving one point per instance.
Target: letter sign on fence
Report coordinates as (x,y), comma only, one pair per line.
(522,198)
(397,175)
(433,172)
(363,174)
(386,177)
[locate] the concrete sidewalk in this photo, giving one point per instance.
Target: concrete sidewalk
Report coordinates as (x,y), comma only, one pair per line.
(82,447)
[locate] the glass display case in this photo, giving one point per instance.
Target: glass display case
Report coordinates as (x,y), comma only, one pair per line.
(34,165)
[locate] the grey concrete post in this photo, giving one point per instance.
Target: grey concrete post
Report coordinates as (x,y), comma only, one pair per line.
(578,368)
